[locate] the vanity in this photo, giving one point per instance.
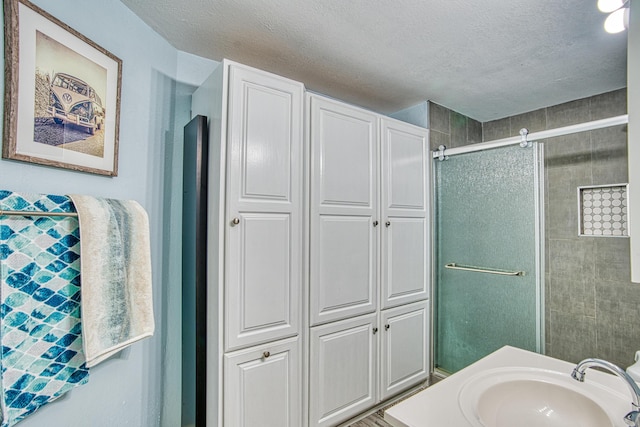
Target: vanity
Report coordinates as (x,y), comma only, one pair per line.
(517,387)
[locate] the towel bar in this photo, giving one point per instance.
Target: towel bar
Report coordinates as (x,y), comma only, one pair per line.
(36,213)
(454,266)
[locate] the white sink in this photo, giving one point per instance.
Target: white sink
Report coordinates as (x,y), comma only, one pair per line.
(516,388)
(529,397)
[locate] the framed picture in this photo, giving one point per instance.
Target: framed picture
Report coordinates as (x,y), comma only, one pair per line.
(62,94)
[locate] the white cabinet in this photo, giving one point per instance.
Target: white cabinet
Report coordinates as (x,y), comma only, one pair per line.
(255,246)
(359,362)
(369,259)
(366,259)
(343,365)
(344,208)
(404,358)
(369,203)
(262,386)
(405,200)
(263,208)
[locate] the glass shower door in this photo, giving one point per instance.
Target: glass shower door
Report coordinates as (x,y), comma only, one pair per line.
(488,217)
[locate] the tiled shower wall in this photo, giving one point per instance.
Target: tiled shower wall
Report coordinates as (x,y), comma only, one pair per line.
(591,307)
(451,129)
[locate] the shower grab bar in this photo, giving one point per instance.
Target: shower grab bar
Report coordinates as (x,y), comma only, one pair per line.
(454,266)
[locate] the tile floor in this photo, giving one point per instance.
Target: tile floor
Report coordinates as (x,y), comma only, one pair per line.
(373,420)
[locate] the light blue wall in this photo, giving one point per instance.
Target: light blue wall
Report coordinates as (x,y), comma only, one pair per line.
(416,115)
(141,387)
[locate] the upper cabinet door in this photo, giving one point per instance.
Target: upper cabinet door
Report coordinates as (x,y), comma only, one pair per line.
(263,276)
(344,210)
(405,207)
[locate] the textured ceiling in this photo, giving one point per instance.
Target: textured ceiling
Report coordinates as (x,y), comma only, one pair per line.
(486,59)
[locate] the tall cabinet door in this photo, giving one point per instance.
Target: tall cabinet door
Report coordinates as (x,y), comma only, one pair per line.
(404,359)
(405,194)
(343,251)
(343,369)
(262,386)
(263,221)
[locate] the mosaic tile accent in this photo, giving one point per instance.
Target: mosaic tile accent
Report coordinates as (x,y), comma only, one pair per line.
(40,334)
(603,211)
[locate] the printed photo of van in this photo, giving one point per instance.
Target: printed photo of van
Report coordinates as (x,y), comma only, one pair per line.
(73,101)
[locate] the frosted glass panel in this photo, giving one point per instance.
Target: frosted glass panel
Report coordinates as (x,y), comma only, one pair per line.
(486,217)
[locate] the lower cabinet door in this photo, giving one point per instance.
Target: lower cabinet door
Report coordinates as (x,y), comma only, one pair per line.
(342,369)
(404,348)
(262,386)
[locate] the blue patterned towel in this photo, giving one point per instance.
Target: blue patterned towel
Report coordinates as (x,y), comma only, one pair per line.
(40,331)
(117,303)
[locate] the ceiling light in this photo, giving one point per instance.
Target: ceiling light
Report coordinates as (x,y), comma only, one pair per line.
(618,20)
(607,6)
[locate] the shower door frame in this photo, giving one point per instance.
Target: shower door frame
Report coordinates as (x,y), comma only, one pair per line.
(539,239)
(541,135)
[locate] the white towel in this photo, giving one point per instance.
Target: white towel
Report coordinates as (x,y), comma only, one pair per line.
(115,264)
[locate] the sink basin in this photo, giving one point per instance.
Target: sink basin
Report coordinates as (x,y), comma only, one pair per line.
(529,397)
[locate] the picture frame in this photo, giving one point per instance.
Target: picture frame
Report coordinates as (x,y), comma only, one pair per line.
(62,94)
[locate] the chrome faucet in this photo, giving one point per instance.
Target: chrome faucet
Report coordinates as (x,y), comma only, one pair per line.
(633,417)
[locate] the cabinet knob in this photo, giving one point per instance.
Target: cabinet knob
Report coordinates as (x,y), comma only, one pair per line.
(388,223)
(266,354)
(375,223)
(375,330)
(235,221)
(386,327)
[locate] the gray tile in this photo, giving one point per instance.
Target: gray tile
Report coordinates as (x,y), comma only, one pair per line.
(458,126)
(533,121)
(568,150)
(474,131)
(546,257)
(561,201)
(562,219)
(610,104)
(573,337)
(609,158)
(563,182)
(572,259)
(496,129)
(607,324)
(572,296)
(438,118)
(547,319)
(613,260)
(605,174)
(568,113)
(437,139)
(618,329)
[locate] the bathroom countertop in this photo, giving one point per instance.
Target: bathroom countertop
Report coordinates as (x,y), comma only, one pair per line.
(437,406)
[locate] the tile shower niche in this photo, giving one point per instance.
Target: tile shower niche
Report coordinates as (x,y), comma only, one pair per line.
(603,210)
